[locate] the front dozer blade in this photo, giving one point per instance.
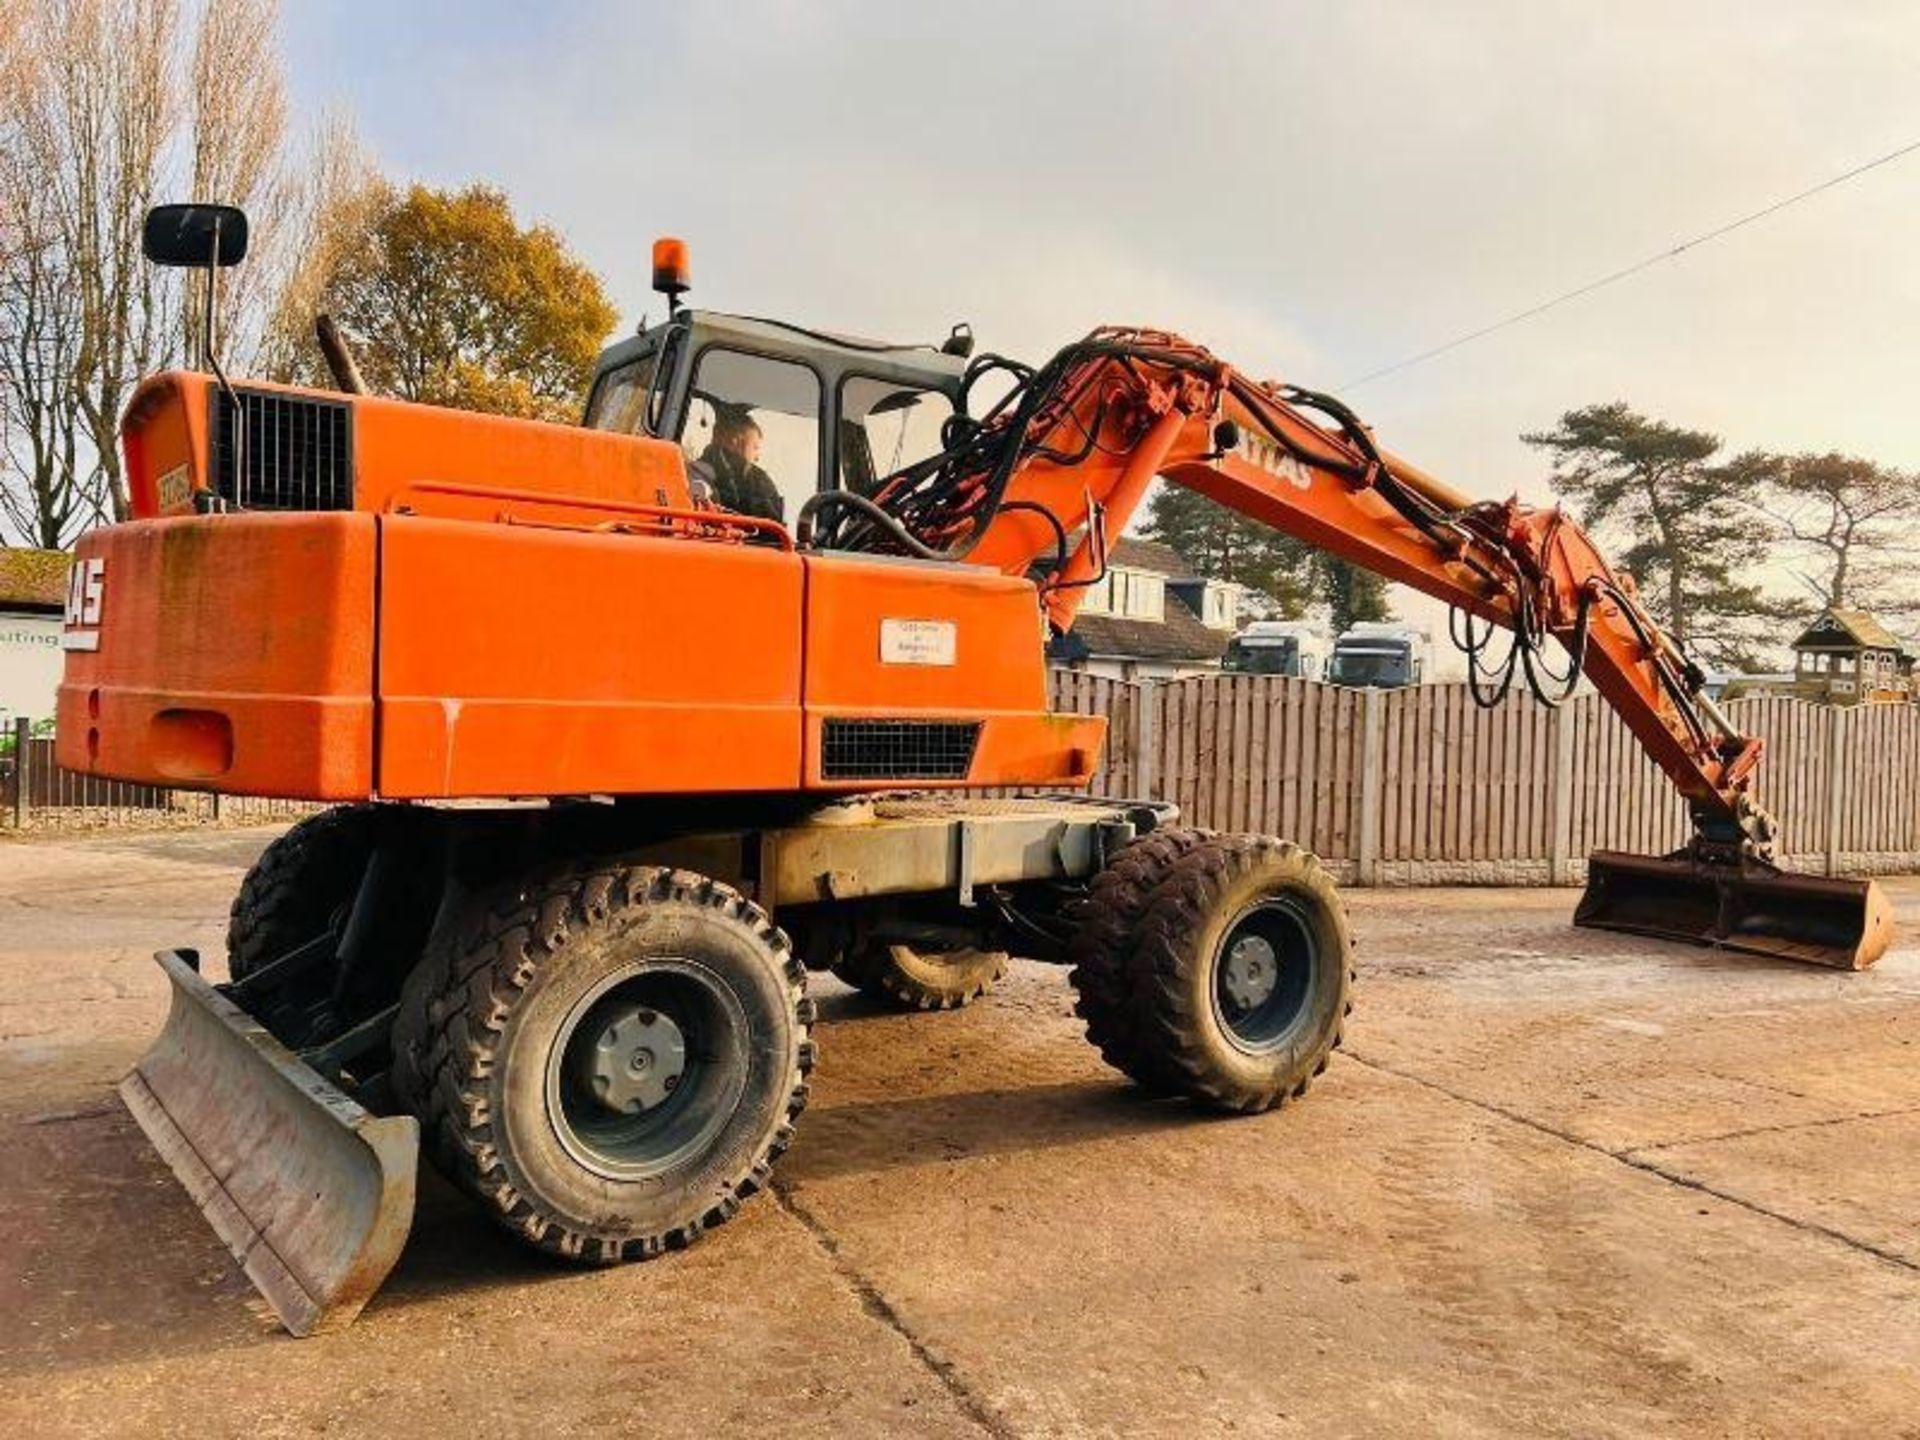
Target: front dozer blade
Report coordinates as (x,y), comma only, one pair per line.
(1750,907)
(313,1195)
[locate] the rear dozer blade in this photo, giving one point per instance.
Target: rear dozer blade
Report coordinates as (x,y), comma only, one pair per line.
(1751,907)
(313,1195)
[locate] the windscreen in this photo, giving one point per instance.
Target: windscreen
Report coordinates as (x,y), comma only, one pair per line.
(886,426)
(1268,657)
(1378,668)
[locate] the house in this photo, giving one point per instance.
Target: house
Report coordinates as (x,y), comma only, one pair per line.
(1150,617)
(1846,657)
(33,597)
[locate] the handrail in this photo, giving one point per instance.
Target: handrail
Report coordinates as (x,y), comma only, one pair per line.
(666,516)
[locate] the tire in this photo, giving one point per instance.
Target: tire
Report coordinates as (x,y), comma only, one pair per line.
(293,893)
(511,1010)
(1243,973)
(910,979)
(1101,954)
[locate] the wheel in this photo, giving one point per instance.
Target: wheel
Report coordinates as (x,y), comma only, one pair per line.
(1242,972)
(614,1058)
(301,884)
(911,979)
(1102,947)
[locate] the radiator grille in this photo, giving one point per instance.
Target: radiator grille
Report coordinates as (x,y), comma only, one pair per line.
(298,453)
(898,749)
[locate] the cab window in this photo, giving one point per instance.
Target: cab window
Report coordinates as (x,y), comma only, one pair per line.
(620,397)
(752,432)
(886,426)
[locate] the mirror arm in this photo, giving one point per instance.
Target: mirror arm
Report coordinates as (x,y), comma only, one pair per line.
(210,352)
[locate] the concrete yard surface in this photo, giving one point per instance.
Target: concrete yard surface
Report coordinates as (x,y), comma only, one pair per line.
(1558,1183)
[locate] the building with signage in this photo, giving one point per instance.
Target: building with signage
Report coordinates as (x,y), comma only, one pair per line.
(33,593)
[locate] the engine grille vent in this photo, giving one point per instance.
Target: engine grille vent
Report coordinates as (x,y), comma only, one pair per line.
(898,749)
(298,453)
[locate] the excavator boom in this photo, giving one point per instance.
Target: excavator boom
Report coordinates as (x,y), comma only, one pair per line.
(1065,458)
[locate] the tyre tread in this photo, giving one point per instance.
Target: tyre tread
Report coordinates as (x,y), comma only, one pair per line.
(470,992)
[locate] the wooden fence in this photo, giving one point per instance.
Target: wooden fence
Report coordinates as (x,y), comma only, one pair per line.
(1416,786)
(1422,786)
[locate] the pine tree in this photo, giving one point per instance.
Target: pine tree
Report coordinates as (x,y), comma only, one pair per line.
(1687,533)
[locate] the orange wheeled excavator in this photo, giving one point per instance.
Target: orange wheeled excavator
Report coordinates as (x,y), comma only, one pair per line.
(614,765)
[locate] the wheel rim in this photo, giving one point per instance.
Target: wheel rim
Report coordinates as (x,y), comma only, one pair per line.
(1263,975)
(647,1069)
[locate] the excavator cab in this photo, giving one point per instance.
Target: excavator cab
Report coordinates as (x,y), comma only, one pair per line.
(831,411)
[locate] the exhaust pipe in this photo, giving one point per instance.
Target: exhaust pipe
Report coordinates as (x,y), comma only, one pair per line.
(1750,907)
(311,1193)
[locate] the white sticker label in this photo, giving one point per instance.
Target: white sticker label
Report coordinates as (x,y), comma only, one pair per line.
(918,642)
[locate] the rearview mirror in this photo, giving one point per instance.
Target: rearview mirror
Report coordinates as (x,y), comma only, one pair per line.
(195,235)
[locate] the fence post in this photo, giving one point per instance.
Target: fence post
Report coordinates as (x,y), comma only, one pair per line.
(1560,798)
(1146,739)
(1372,773)
(1833,789)
(22,773)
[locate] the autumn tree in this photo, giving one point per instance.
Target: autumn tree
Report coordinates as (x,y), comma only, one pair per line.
(1292,578)
(1851,526)
(452,302)
(1687,535)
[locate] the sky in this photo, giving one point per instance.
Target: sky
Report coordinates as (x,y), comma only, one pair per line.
(1313,191)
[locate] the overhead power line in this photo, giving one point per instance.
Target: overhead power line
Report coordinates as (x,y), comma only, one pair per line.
(1621,274)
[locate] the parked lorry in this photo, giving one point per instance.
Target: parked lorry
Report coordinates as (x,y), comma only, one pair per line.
(1278,647)
(1380,656)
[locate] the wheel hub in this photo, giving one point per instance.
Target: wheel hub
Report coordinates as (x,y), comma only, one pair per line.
(636,1060)
(1250,972)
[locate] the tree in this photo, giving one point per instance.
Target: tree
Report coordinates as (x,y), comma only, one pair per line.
(240,157)
(1351,594)
(1852,522)
(1225,546)
(331,210)
(1689,538)
(451,302)
(97,135)
(105,107)
(1291,576)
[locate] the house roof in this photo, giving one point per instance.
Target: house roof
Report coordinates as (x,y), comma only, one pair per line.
(33,579)
(1180,636)
(1151,555)
(1847,630)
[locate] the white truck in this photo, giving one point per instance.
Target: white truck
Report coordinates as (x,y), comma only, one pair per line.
(1381,655)
(1279,647)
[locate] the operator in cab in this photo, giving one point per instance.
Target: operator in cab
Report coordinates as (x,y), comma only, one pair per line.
(729,467)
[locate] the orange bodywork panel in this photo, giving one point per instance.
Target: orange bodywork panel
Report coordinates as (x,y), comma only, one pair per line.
(527,660)
(423,458)
(903,639)
(231,652)
(349,656)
